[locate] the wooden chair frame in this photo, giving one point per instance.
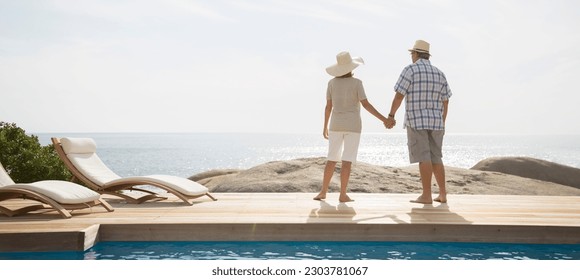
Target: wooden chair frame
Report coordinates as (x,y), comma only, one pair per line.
(115,189)
(14,192)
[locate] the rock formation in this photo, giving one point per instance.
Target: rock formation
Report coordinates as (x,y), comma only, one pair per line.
(305,175)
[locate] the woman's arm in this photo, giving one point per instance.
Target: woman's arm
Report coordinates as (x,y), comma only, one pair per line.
(371,109)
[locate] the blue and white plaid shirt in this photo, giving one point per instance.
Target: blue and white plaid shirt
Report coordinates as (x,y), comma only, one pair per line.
(425,88)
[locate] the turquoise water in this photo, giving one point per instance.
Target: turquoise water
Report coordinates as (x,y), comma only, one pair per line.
(310,251)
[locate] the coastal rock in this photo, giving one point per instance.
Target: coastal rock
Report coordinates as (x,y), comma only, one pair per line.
(532,168)
(305,175)
(213,174)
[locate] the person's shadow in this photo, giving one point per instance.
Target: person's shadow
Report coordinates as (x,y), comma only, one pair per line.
(435,214)
(424,214)
(330,213)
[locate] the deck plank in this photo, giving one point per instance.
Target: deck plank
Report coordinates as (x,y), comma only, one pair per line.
(295,216)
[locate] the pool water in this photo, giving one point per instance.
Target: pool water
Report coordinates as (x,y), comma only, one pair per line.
(310,251)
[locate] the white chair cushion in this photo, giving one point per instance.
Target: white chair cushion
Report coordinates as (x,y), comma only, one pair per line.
(61,191)
(5,179)
(93,168)
(78,145)
(182,185)
(81,152)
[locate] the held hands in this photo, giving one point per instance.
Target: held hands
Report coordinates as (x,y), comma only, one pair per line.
(390,123)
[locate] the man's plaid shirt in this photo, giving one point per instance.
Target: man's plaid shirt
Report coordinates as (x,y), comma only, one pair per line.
(425,88)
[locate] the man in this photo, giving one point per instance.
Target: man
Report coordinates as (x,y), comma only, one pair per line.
(426,93)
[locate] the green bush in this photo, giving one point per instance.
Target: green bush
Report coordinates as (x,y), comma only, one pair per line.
(25,159)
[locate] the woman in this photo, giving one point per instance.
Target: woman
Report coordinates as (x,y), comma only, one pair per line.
(343,98)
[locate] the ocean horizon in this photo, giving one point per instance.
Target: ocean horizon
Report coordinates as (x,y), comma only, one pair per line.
(186,154)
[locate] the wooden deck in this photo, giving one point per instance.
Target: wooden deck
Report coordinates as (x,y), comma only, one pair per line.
(295,216)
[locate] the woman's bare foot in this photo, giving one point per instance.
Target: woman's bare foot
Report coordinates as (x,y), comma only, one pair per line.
(345,198)
(422,200)
(320,197)
(441,199)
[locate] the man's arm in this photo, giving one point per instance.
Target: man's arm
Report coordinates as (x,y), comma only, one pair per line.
(445,109)
(397,101)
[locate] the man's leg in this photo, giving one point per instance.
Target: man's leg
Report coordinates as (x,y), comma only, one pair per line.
(439,172)
(436,146)
(418,141)
(426,172)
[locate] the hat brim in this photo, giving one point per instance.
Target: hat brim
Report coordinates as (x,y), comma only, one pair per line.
(337,70)
(418,50)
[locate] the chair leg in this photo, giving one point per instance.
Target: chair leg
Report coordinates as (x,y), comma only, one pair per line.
(105,205)
(132,200)
(63,212)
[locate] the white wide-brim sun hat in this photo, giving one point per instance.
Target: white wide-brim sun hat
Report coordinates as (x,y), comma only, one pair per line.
(344,64)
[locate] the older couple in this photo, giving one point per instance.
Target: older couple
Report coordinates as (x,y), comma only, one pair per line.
(426,93)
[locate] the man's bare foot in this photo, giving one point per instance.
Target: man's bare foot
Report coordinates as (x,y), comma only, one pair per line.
(320,197)
(441,199)
(422,200)
(345,198)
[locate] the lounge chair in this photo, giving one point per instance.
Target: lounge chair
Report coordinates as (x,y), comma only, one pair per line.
(79,155)
(56,195)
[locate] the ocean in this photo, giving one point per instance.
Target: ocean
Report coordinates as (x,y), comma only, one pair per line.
(186,154)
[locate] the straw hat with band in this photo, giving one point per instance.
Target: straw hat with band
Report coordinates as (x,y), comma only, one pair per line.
(421,47)
(344,64)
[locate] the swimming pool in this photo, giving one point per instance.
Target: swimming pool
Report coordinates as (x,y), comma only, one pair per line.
(310,251)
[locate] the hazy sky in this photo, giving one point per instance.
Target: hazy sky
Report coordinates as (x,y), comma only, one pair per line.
(258,66)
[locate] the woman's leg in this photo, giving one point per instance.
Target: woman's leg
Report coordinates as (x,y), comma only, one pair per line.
(328,172)
(349,155)
(335,141)
(344,178)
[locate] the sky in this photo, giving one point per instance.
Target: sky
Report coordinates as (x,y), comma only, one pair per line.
(259,66)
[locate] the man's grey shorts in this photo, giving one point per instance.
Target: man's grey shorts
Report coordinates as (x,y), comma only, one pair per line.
(425,145)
